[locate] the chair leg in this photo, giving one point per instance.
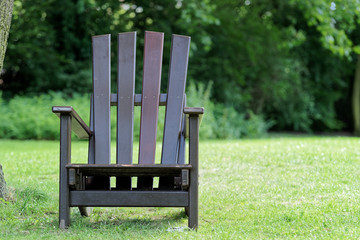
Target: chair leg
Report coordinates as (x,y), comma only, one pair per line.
(64,211)
(64,207)
(194,173)
(186,211)
(193,213)
(85,211)
(65,158)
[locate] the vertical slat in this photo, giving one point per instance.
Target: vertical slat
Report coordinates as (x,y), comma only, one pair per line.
(174,104)
(101,81)
(125,103)
(181,152)
(153,51)
(125,92)
(91,155)
(90,180)
(194,173)
(65,158)
(101,86)
(175,97)
(86,211)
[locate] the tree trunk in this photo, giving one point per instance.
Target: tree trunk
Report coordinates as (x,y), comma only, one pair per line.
(356,98)
(6,7)
(2,184)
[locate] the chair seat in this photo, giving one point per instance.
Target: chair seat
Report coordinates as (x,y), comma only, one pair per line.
(129,169)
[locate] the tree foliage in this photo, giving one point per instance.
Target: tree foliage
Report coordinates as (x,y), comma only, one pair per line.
(272,59)
(289,62)
(6,7)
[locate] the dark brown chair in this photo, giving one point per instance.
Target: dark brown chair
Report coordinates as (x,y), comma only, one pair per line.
(88,185)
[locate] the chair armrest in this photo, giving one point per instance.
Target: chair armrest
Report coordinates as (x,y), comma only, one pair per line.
(78,125)
(192,111)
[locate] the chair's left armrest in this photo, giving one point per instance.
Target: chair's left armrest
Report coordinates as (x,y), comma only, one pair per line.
(78,125)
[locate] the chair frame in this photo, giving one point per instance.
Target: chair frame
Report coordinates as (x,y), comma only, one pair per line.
(74,178)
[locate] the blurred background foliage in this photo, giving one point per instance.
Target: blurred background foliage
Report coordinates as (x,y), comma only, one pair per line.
(256,65)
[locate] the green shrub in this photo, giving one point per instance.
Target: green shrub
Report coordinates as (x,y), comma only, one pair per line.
(25,117)
(221,121)
(30,117)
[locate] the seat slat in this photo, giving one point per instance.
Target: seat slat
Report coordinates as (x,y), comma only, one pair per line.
(153,52)
(128,169)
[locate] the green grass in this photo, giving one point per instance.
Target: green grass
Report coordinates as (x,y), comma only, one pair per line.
(280,188)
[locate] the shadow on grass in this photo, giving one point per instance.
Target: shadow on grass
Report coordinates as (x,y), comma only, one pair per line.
(140,220)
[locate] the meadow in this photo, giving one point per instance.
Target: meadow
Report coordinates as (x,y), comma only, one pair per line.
(271,188)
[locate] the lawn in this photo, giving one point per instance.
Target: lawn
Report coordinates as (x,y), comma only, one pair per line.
(293,187)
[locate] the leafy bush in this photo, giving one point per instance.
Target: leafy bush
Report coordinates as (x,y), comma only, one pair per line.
(25,117)
(221,121)
(30,117)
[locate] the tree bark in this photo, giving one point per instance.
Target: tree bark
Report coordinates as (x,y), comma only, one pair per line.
(6,7)
(3,190)
(356,98)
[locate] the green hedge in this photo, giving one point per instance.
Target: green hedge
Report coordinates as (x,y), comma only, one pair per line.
(30,117)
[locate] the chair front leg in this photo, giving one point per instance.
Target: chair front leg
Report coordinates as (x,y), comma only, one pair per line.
(65,158)
(194,173)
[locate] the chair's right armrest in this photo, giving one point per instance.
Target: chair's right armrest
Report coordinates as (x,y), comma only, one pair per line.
(198,111)
(77,124)
(194,112)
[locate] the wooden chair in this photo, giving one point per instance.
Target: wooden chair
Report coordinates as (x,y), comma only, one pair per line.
(88,185)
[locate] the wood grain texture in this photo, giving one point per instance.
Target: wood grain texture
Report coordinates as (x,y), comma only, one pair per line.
(175,98)
(125,99)
(101,87)
(125,103)
(179,55)
(153,52)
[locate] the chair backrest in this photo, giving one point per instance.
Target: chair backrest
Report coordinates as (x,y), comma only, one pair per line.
(125,99)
